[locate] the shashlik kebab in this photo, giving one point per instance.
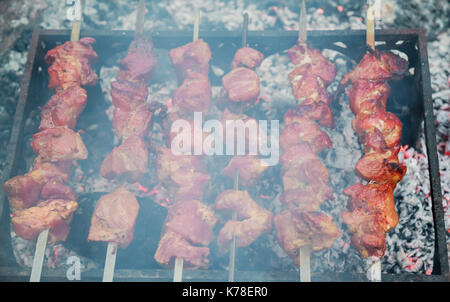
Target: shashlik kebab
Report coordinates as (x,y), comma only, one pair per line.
(371,208)
(188,228)
(304,177)
(115,214)
(40,199)
(241,88)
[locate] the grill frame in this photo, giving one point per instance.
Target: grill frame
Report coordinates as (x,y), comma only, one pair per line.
(414,43)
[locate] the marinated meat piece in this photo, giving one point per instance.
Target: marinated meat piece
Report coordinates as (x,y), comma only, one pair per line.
(194,95)
(140,61)
(306,86)
(63,108)
(241,85)
(193,220)
(253,221)
(173,245)
(81,49)
(22,192)
(59,143)
(53,214)
(388,125)
(368,236)
(368,96)
(380,167)
(114,218)
(129,160)
(297,228)
(371,215)
(128,95)
(247,57)
(194,56)
(304,130)
(135,122)
(168,163)
(306,198)
(318,65)
(188,184)
(314,111)
(250,168)
(377,66)
(374,198)
(237,125)
(43,171)
(57,190)
(70,64)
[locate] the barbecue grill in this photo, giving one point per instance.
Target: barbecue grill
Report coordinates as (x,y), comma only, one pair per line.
(34,93)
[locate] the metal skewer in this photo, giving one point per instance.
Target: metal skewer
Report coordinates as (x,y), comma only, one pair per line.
(41,243)
(178,266)
(111,251)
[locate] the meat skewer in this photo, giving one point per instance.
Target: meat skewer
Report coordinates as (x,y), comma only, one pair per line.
(178,267)
(303,228)
(41,202)
(188,228)
(374,271)
(42,239)
(249,220)
(115,214)
(371,208)
(305,251)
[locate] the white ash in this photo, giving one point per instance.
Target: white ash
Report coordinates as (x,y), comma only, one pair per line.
(56,254)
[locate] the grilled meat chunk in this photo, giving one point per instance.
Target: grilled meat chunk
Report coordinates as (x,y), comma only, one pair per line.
(253,221)
(114,218)
(53,214)
(59,144)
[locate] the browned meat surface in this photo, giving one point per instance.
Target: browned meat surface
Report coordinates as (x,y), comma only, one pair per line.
(114,218)
(250,169)
(140,61)
(128,160)
(173,245)
(193,220)
(193,56)
(194,94)
(63,109)
(70,64)
(59,143)
(247,57)
(22,192)
(296,228)
(53,214)
(253,220)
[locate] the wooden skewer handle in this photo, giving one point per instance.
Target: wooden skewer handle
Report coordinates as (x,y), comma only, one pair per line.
(305,263)
(370,27)
(39,254)
(178,270)
(110,262)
